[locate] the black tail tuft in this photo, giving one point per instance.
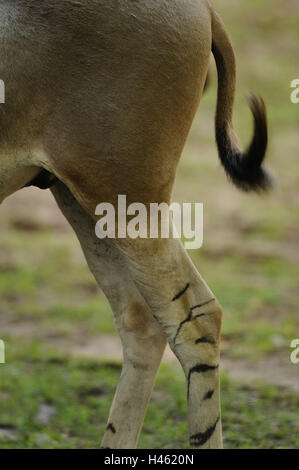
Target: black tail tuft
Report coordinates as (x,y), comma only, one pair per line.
(245,169)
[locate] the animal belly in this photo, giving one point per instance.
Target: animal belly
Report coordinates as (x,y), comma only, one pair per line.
(14,175)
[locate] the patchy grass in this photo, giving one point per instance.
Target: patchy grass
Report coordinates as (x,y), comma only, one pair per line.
(79,393)
(260,301)
(35,268)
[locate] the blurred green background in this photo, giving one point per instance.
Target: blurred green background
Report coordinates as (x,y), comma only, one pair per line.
(63,356)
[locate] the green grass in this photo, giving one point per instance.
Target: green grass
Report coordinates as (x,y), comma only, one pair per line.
(80,392)
(260,301)
(42,268)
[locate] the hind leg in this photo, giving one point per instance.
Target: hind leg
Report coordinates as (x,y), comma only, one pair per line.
(191,318)
(142,339)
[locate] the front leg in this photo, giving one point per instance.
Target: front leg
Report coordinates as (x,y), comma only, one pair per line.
(142,357)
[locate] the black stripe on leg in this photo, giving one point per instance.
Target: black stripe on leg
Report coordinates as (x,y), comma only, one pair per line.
(181,324)
(199,315)
(208,395)
(189,317)
(201,305)
(199,368)
(205,339)
(176,297)
(199,439)
(111,428)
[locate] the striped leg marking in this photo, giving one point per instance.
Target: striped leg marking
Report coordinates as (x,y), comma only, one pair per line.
(199,439)
(111,428)
(199,369)
(191,317)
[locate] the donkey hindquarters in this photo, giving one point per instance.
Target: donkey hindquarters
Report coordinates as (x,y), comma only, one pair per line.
(136,126)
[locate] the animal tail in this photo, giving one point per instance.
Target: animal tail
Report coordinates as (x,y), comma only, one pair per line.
(243,168)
